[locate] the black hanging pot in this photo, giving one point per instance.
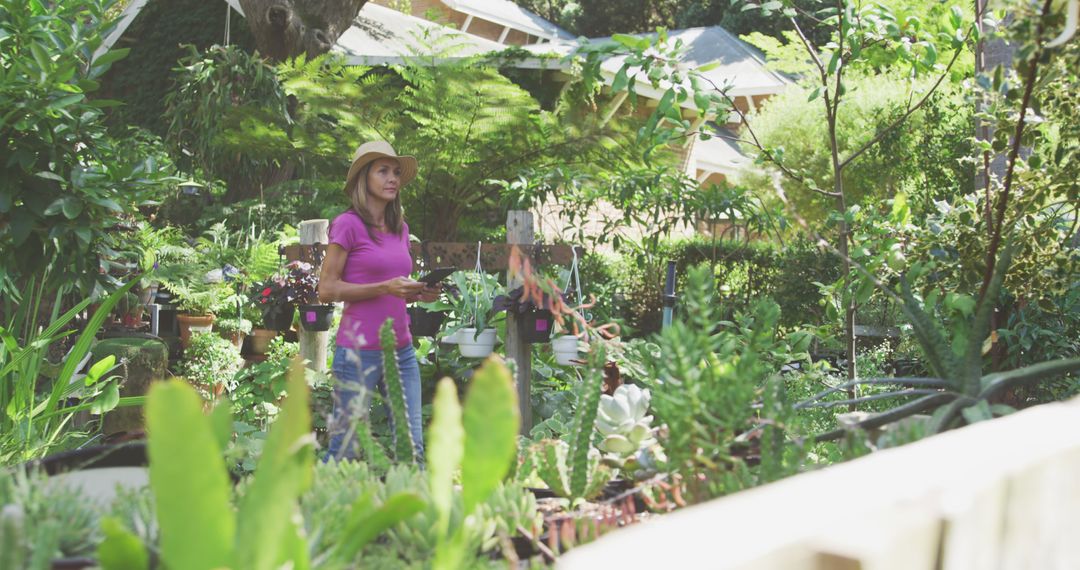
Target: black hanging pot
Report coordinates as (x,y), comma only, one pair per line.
(280,319)
(423,322)
(536,325)
(316,318)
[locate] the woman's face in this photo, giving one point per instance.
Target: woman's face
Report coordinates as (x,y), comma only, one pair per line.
(384,180)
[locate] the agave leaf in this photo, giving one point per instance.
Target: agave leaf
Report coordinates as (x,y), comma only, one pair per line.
(993,383)
(941,360)
(980,325)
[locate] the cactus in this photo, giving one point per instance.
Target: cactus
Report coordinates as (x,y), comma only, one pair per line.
(585,422)
(373,452)
(623,423)
(403,442)
(12,549)
(553,469)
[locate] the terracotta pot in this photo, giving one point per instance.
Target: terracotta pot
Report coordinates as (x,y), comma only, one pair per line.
(260,340)
(193,323)
(235,337)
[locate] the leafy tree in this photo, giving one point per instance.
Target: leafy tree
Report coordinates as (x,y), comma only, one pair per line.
(65,184)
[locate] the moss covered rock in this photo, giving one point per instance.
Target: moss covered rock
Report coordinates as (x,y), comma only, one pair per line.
(143,361)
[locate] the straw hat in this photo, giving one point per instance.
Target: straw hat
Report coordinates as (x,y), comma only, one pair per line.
(373,150)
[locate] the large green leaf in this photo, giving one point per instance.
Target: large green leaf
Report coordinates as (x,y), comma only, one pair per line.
(446,447)
(366,522)
(491,419)
(284,472)
(189,480)
(121,550)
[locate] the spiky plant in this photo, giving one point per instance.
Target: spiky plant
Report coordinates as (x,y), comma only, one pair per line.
(959,392)
(404,448)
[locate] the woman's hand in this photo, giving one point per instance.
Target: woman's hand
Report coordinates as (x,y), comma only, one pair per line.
(429,293)
(404,287)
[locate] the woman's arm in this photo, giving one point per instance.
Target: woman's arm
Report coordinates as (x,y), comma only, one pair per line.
(332,288)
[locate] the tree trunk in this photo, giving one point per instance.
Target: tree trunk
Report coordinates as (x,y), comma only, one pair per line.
(288,28)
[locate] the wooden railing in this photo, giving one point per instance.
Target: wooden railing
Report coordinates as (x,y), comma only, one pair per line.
(1002,494)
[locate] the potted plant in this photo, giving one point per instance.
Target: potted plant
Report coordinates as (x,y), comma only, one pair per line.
(472,310)
(210,363)
(534,314)
(233,329)
(302,281)
(565,347)
(275,300)
(197,306)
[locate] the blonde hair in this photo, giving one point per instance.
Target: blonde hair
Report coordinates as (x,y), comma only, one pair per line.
(356,189)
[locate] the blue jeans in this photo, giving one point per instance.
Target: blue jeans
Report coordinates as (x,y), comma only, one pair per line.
(357,374)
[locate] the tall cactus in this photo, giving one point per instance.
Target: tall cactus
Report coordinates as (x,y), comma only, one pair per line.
(403,442)
(585,422)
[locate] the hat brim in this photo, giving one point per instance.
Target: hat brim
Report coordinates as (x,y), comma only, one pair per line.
(408,165)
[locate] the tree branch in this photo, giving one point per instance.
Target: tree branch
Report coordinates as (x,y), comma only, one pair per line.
(1014,152)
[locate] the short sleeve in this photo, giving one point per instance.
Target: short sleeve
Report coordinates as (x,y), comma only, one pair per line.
(343,231)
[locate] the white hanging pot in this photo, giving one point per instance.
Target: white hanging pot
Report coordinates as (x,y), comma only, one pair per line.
(565,348)
(451,338)
(474,345)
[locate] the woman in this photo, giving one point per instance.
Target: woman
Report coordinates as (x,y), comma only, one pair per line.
(367,265)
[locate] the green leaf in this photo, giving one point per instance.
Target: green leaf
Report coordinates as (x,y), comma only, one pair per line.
(188,478)
(221,421)
(66,100)
(121,549)
(284,472)
(620,81)
(72,207)
(106,400)
(492,420)
(978,413)
(709,66)
(111,56)
(50,176)
(101,367)
(367,523)
(446,447)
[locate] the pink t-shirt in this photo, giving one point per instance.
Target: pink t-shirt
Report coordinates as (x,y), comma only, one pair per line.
(369,261)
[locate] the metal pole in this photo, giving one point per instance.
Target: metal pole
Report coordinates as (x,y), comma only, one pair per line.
(669,294)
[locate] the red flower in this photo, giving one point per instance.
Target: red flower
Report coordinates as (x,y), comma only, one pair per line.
(266,292)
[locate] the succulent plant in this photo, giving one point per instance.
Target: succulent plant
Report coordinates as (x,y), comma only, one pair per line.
(623,422)
(559,473)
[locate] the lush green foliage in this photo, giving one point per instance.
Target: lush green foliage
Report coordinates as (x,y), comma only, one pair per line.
(65,184)
(705,383)
(210,362)
(34,414)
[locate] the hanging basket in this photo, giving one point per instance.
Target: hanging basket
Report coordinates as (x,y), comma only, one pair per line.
(279,320)
(423,322)
(536,326)
(316,318)
(565,348)
(474,345)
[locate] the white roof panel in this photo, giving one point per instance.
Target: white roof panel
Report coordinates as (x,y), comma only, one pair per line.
(507,13)
(381,35)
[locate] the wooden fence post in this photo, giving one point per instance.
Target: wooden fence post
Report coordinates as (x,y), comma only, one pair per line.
(313,344)
(519,230)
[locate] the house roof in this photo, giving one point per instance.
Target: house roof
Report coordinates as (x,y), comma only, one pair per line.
(381,35)
(509,14)
(720,153)
(740,65)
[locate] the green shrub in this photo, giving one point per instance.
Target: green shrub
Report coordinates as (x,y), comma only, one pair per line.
(629,287)
(210,362)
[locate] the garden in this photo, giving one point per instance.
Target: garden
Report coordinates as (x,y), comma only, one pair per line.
(896,258)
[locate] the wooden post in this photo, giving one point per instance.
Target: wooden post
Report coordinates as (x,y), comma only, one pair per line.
(313,344)
(519,230)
